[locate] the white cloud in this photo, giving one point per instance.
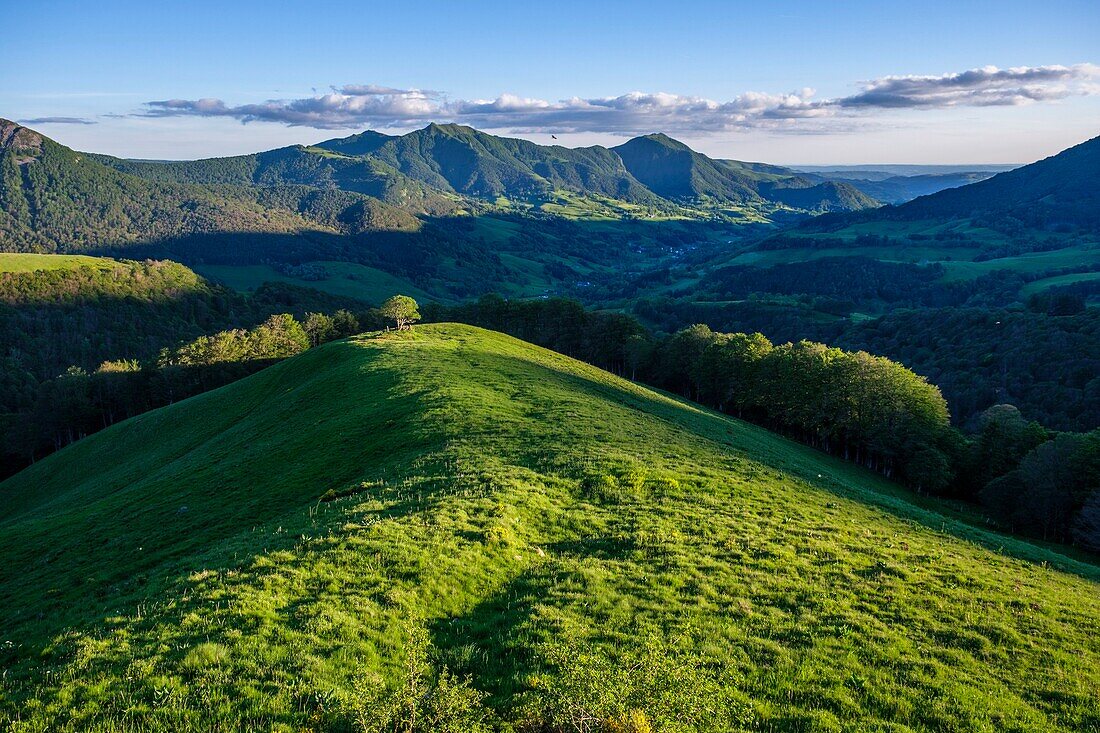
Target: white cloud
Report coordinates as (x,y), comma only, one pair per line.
(57,121)
(368,105)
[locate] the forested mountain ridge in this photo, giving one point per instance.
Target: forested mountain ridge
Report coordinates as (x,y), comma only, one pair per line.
(425,169)
(464,160)
(899,189)
(487,533)
(673,170)
(1058,193)
(296,165)
(54,199)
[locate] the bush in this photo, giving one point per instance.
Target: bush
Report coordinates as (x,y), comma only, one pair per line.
(423,700)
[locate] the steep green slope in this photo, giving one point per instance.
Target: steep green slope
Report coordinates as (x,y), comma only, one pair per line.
(261,557)
(673,170)
(462,159)
(54,199)
(1062,190)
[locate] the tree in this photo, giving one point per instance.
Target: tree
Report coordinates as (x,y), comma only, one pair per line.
(320,328)
(402,310)
(1086,530)
(344,324)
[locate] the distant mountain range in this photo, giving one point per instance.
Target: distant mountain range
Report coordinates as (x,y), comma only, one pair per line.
(54,198)
(419,169)
(1061,192)
(897,189)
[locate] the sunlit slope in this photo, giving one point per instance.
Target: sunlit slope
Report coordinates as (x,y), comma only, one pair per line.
(179,570)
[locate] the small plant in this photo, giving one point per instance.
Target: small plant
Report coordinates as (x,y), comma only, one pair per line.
(425,699)
(205,655)
(601,488)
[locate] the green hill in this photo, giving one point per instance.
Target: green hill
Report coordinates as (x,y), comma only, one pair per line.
(464,160)
(437,168)
(1060,191)
(673,170)
(577,546)
(54,199)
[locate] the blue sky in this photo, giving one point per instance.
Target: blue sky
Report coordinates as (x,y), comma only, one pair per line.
(784,82)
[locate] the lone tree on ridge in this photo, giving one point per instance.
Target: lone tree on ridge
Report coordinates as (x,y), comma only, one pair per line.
(402,310)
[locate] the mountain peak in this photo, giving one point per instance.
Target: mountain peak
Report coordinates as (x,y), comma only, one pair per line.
(362,143)
(15,136)
(447,127)
(660,138)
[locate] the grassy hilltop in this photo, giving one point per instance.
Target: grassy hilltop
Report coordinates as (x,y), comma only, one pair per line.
(279,553)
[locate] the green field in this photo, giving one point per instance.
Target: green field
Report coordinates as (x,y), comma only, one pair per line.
(346,279)
(359,517)
(11,262)
(901,253)
(958,261)
(1030,263)
(1051,282)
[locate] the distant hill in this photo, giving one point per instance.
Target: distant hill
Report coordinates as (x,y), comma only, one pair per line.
(53,198)
(880,171)
(318,541)
(891,189)
(425,170)
(1057,194)
(674,171)
(1060,191)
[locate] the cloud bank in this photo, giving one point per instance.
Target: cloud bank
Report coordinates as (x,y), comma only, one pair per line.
(57,121)
(368,105)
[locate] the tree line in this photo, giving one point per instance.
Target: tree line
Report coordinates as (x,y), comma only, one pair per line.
(864,408)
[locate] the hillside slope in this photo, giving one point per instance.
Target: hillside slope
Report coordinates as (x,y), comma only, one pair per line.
(1063,189)
(673,170)
(55,199)
(433,169)
(1059,193)
(545,528)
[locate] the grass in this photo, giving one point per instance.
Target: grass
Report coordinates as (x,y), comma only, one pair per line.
(1045,283)
(12,262)
(543,524)
(1030,263)
(347,279)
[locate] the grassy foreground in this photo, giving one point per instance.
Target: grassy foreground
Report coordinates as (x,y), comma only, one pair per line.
(315,544)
